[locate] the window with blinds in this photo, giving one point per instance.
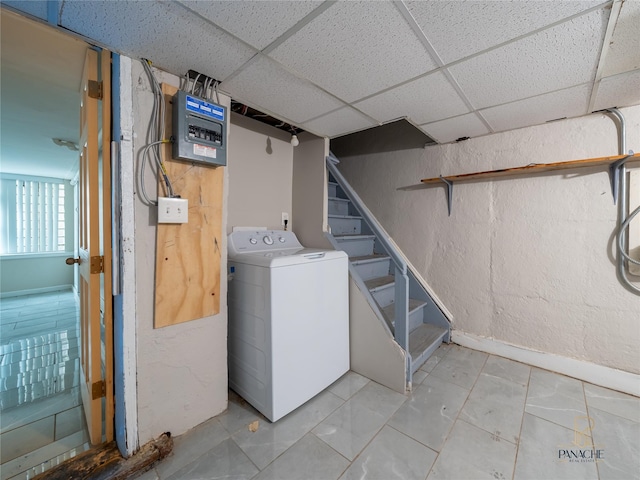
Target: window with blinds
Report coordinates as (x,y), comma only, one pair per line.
(33,215)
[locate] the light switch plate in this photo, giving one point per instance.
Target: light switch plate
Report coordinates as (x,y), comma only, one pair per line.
(173,210)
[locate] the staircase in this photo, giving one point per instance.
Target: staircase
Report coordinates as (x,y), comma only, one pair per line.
(393,291)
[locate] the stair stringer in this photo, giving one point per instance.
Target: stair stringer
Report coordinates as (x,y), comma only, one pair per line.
(374,352)
(420,280)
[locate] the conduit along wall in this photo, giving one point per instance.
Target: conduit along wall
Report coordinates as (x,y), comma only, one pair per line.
(634,227)
(618,175)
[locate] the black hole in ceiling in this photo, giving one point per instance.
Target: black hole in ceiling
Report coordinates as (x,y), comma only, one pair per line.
(247,111)
(391,137)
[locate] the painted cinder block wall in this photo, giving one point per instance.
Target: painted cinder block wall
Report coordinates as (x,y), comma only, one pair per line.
(528,260)
(181,369)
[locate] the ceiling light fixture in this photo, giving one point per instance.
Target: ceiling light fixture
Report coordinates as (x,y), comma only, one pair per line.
(294,140)
(65,143)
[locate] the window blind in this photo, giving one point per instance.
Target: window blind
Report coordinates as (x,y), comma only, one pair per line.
(33,217)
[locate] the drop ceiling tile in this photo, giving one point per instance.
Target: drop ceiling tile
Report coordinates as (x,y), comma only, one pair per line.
(560,57)
(355,49)
(571,102)
(256,22)
(269,87)
(343,121)
(461,28)
(171,37)
(451,129)
(36,8)
(424,100)
(624,49)
(619,91)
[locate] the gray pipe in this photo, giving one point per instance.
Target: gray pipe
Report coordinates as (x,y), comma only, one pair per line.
(623,227)
(622,199)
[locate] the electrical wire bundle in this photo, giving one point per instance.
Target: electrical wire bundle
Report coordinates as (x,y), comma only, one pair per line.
(207,88)
(155,137)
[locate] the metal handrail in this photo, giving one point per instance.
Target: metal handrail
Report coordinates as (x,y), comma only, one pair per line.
(383,237)
(401,290)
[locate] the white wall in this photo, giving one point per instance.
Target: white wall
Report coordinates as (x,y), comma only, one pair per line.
(525,260)
(181,369)
(33,273)
(310,191)
(260,165)
(39,272)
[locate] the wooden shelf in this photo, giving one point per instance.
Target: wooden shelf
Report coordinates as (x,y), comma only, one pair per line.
(534,168)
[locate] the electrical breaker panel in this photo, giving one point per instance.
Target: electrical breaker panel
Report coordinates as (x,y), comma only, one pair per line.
(199,130)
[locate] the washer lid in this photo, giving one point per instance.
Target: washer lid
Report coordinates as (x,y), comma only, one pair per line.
(290,256)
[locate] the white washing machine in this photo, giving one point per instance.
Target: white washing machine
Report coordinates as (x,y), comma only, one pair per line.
(288,319)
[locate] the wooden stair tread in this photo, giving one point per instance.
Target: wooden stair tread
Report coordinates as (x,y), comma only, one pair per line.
(390,310)
(353,236)
(424,336)
(357,217)
(368,258)
(380,282)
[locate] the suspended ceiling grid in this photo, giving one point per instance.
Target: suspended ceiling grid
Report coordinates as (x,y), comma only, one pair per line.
(452,68)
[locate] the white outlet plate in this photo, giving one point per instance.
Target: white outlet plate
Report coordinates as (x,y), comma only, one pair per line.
(173,210)
(285,216)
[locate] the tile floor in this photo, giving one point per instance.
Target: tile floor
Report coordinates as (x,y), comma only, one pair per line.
(41,416)
(470,415)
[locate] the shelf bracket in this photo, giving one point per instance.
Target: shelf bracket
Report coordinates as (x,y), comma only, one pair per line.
(614,178)
(614,175)
(449,185)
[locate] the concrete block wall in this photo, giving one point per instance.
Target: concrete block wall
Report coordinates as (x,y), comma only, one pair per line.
(529,260)
(181,369)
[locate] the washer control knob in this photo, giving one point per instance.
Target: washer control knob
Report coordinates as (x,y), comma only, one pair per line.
(282,239)
(253,241)
(268,240)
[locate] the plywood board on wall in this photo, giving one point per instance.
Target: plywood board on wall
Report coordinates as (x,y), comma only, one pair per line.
(188,255)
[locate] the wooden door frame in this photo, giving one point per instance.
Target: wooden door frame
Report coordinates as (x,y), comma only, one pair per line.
(124,308)
(95,246)
(107,226)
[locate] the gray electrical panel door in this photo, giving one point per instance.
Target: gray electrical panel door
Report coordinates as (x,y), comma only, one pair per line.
(199,130)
